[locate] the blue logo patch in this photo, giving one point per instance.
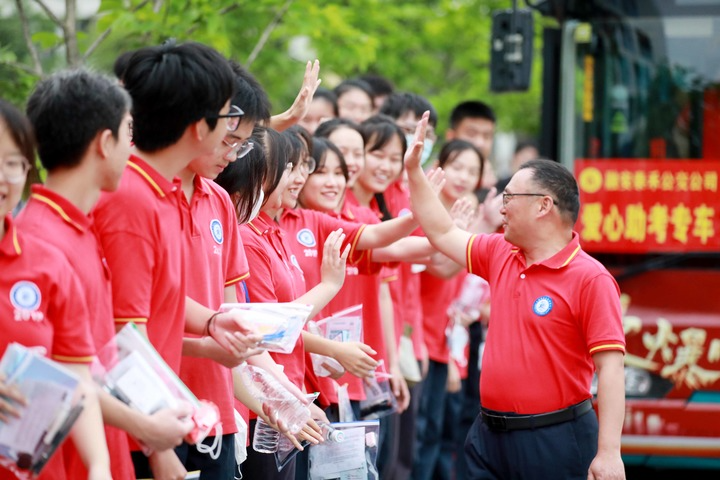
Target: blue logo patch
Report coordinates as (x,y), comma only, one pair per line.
(306,237)
(404,212)
(25,296)
(543,305)
(216,230)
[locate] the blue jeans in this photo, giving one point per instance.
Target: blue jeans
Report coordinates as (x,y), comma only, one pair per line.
(562,451)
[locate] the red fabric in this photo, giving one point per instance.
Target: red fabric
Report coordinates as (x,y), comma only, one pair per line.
(276,277)
(42,304)
(549,344)
(214,259)
(62,224)
(307,231)
(141,228)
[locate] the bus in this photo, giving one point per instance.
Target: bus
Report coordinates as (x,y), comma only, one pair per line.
(631,104)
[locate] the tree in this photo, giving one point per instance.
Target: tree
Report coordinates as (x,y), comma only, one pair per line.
(438,48)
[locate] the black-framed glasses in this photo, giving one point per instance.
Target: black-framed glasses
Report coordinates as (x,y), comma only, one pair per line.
(14,168)
(233,117)
(509,196)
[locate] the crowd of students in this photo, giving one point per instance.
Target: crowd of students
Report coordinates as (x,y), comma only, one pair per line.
(171,189)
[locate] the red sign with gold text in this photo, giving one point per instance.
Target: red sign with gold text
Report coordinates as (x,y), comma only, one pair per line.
(639,206)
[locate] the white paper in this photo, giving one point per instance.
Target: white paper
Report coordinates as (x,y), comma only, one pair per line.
(330,459)
(134,379)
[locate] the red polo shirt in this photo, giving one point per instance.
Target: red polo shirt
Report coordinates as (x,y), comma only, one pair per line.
(276,277)
(307,231)
(214,259)
(53,218)
(547,320)
(141,228)
(42,304)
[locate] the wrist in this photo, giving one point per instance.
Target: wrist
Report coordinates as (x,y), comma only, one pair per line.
(210,325)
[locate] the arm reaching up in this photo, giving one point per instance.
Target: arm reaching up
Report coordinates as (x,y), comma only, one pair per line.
(427,208)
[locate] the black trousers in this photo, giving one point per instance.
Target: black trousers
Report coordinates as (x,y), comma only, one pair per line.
(562,451)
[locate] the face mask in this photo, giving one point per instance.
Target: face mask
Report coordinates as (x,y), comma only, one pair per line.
(427,147)
(256,207)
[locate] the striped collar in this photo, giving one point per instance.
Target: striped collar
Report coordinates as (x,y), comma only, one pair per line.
(60,206)
(160,185)
(263,224)
(566,255)
(10,243)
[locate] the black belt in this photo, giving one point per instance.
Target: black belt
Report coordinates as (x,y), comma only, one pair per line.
(503,423)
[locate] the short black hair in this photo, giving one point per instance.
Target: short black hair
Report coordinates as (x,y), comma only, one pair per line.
(400,103)
(68,110)
(250,96)
(471,109)
(244,179)
(453,148)
(560,183)
(277,149)
(325,129)
(320,147)
(173,86)
(379,84)
(20,129)
(354,84)
(329,96)
(121,63)
(377,131)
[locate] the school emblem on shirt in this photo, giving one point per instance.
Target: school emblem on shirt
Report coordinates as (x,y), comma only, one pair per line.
(25,295)
(216,230)
(306,237)
(543,305)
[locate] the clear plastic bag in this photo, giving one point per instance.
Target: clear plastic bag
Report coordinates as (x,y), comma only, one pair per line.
(280,324)
(343,326)
(132,370)
(379,398)
(353,458)
(53,405)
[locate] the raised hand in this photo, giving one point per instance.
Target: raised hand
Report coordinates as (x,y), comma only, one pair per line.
(332,270)
(415,149)
(436,177)
(463,213)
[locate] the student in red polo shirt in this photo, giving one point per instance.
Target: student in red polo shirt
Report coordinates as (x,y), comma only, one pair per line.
(556,319)
(42,304)
(276,277)
(181,110)
(82,125)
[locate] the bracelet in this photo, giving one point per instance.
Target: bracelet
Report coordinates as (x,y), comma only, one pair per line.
(209,323)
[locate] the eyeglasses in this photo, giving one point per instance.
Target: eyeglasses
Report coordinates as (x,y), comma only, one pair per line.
(14,168)
(306,165)
(233,118)
(238,149)
(509,196)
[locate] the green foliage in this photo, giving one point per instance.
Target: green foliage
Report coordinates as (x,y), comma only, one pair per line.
(438,48)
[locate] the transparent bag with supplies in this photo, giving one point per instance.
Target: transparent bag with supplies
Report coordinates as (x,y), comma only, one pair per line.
(280,324)
(132,370)
(53,404)
(379,398)
(351,455)
(343,326)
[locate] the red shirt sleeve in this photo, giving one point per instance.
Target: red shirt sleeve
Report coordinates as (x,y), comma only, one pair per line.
(601,314)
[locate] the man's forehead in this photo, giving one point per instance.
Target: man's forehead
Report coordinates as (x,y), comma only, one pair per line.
(243,132)
(476,124)
(519,181)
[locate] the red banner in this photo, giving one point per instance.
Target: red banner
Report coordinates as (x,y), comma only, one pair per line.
(640,206)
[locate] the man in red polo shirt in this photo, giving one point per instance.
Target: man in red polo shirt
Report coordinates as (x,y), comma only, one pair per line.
(181,110)
(82,125)
(556,319)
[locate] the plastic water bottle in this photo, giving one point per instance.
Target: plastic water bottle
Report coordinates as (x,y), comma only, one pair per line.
(287,407)
(332,434)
